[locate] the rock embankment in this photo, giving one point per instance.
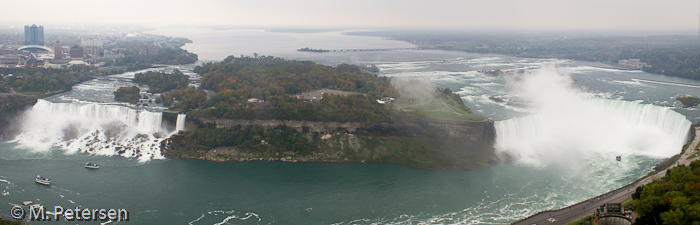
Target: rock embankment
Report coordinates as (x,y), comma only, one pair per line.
(436,144)
(11,108)
(472,130)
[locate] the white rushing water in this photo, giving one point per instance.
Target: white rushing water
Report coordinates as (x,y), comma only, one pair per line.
(180,125)
(568,128)
(103,129)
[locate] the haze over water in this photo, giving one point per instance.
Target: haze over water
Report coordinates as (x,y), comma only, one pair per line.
(176,191)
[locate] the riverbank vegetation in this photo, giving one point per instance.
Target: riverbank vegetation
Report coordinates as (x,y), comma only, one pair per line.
(159,82)
(272,88)
(134,60)
(10,222)
(283,140)
(142,54)
(688,101)
(127,94)
(435,149)
(41,80)
(675,199)
(256,89)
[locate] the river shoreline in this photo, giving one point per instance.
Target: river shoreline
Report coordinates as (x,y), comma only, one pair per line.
(576,211)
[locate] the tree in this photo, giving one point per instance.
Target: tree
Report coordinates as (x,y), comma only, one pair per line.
(128,94)
(673,200)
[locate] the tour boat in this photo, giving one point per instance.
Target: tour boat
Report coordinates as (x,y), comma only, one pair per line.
(42,180)
(92,166)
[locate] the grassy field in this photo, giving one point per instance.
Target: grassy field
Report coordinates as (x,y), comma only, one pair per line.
(442,115)
(585,220)
(426,106)
(440,108)
(465,114)
(694,155)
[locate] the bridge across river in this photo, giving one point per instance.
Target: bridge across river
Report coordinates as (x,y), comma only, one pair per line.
(361,50)
(372,49)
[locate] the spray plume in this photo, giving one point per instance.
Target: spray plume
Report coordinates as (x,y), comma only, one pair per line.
(567,129)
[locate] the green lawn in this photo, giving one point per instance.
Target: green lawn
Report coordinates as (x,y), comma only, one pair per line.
(466,114)
(442,115)
(451,115)
(436,109)
(694,155)
(472,117)
(584,220)
(425,106)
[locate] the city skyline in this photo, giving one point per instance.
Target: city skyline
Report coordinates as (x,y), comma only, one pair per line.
(497,14)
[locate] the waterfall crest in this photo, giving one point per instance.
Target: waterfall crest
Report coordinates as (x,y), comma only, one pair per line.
(94,128)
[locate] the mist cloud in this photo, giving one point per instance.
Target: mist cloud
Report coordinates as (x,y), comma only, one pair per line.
(414,90)
(567,129)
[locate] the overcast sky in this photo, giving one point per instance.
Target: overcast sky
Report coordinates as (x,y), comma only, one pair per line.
(505,14)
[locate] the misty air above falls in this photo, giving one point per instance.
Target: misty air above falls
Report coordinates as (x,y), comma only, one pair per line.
(94,128)
(567,128)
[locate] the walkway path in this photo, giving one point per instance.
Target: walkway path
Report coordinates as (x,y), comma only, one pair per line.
(586,208)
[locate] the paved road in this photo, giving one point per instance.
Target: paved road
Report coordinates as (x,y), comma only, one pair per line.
(585,208)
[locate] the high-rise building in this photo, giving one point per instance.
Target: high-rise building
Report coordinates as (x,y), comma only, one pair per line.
(33,35)
(58,50)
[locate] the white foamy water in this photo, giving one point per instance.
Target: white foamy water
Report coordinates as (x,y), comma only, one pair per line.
(180,125)
(566,129)
(103,129)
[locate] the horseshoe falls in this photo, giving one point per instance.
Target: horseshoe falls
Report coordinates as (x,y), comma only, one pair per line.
(569,129)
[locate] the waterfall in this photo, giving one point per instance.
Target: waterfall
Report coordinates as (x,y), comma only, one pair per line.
(94,128)
(605,126)
(567,129)
(180,125)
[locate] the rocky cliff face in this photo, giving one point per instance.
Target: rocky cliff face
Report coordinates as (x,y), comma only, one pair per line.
(11,107)
(471,130)
(436,144)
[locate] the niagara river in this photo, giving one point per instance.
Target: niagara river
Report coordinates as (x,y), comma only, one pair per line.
(562,121)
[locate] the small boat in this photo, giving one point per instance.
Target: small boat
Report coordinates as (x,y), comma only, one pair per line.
(27,202)
(42,180)
(92,165)
(618,158)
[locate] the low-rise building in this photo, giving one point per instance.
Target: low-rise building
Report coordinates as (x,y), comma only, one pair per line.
(112,55)
(148,51)
(94,52)
(76,52)
(633,63)
(92,43)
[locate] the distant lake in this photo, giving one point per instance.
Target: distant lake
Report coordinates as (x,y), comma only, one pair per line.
(216,45)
